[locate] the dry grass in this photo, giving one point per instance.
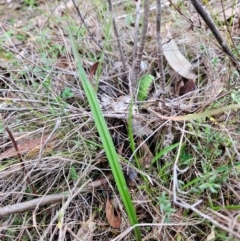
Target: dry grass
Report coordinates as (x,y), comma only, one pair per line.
(41,98)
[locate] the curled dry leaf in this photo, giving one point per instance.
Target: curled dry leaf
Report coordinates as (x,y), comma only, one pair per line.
(211,236)
(176,59)
(121,104)
(118,105)
(215,89)
(113,214)
(140,128)
(85,233)
(93,70)
(31,147)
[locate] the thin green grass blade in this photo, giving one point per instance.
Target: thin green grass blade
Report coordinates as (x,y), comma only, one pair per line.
(164,151)
(106,141)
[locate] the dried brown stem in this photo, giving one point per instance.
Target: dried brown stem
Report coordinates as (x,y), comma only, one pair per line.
(30,205)
(21,160)
(136,29)
(137,61)
(49,199)
(160,52)
(208,20)
(84,23)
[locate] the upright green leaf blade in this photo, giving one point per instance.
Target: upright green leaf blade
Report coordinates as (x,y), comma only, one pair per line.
(106,141)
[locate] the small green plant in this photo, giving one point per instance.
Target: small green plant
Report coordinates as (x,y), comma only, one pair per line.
(67,93)
(107,142)
(211,147)
(215,61)
(1,126)
(185,158)
(47,83)
(73,173)
(30,3)
(235,96)
(145,84)
(165,206)
(211,184)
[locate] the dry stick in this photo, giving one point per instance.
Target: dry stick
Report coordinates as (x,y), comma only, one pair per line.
(208,20)
(71,195)
(117,37)
(32,204)
(49,199)
(171,224)
(21,160)
(76,238)
(135,43)
(160,52)
(136,62)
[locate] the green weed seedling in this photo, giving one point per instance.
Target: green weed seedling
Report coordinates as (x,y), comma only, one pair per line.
(30,3)
(211,184)
(235,96)
(215,61)
(67,93)
(73,173)
(165,206)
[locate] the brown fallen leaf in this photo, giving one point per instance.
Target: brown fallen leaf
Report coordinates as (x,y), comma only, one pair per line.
(145,153)
(184,86)
(34,152)
(93,71)
(113,214)
(31,147)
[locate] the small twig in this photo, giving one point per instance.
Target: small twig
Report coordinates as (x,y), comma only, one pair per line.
(21,160)
(207,217)
(76,238)
(176,169)
(71,195)
(128,230)
(84,23)
(32,204)
(137,61)
(50,137)
(208,20)
(117,36)
(160,52)
(145,140)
